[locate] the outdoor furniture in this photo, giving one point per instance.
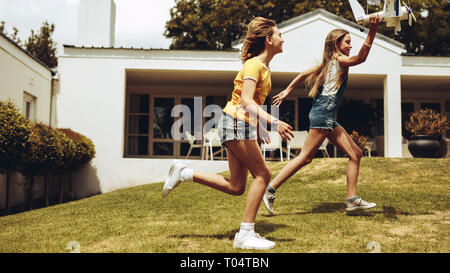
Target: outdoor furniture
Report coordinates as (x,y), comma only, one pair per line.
(296,142)
(323,147)
(191,140)
(212,139)
(275,143)
(368,146)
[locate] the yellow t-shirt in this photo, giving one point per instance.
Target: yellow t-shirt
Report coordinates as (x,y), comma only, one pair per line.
(256,70)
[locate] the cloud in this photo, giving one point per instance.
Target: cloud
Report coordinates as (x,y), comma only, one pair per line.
(139,23)
(73,2)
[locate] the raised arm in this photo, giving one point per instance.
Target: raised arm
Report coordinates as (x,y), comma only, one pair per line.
(365,49)
(278,99)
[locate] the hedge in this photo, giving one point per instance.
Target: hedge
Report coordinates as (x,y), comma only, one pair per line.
(36,149)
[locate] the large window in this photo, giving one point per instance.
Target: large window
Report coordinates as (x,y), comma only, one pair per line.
(407,109)
(138,125)
(304,106)
(163,144)
(149,124)
(287,112)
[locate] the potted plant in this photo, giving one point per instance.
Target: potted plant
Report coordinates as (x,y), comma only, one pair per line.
(426,127)
(360,140)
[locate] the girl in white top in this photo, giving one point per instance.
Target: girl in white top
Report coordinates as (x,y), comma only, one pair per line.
(327,82)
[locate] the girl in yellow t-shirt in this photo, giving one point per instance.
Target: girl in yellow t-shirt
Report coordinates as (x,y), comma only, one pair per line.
(238,129)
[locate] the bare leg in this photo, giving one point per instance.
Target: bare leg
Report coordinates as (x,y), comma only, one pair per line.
(243,155)
(235,185)
(343,141)
(312,143)
(248,151)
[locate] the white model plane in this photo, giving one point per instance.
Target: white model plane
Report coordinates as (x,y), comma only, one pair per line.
(392,13)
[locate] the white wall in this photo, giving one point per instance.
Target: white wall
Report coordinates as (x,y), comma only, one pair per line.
(20,73)
(91,101)
(96,23)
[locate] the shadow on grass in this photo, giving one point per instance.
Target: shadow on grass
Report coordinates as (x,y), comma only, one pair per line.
(388,211)
(261,227)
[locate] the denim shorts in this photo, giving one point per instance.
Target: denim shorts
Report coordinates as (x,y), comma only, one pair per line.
(323,113)
(230,128)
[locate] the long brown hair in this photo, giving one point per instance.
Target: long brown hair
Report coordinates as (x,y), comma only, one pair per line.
(254,42)
(331,51)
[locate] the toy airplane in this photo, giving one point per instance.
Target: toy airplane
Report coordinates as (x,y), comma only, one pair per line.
(392,13)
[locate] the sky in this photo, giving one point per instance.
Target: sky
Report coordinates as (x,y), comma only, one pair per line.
(139,23)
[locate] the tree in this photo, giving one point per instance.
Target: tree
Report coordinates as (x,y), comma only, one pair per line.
(14,36)
(215,24)
(42,46)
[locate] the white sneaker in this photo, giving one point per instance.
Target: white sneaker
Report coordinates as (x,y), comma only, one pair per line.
(173,178)
(359,204)
(269,198)
(251,240)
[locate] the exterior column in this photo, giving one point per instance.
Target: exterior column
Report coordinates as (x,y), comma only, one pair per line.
(392,115)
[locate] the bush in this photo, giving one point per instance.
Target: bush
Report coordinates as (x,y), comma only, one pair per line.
(15,133)
(84,152)
(50,154)
(84,148)
(33,162)
(34,149)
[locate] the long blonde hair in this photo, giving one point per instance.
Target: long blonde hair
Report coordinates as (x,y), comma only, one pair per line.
(331,51)
(254,42)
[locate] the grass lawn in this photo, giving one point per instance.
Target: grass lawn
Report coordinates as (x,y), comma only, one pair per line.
(412,214)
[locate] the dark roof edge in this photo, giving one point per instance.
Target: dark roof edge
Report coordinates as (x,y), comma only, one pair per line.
(147,49)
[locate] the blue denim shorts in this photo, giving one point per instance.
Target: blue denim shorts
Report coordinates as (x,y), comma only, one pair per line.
(230,128)
(324,112)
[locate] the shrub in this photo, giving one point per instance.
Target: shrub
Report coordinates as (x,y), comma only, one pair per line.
(51,151)
(84,148)
(83,154)
(64,164)
(33,162)
(15,133)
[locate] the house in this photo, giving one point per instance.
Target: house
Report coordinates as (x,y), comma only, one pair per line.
(29,84)
(25,80)
(122,98)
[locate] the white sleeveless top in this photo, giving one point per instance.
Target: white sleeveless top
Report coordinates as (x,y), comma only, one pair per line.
(330,85)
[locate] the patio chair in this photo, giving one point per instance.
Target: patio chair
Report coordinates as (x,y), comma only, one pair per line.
(368,147)
(212,139)
(275,143)
(191,140)
(296,142)
(323,147)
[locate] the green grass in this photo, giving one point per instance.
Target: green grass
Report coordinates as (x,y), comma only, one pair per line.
(412,214)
